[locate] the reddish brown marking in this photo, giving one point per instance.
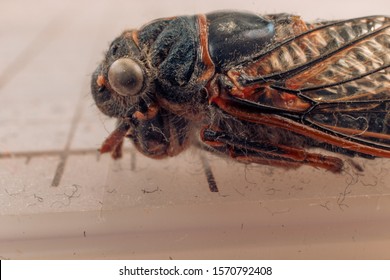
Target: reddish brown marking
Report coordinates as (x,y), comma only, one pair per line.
(101,81)
(270,162)
(127,34)
(170,18)
(292,102)
(214,144)
(234,75)
(312,76)
(356,132)
(299,26)
(278,99)
(204,50)
(151,113)
(117,151)
(245,92)
(212,89)
(332,164)
(239,90)
(275,98)
(281,122)
(114,140)
(134,35)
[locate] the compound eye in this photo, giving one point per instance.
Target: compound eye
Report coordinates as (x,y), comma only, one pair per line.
(126,77)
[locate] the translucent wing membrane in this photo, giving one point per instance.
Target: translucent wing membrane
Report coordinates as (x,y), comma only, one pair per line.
(308,48)
(340,72)
(359,60)
(359,109)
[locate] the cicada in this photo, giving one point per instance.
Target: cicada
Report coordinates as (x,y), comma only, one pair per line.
(267,89)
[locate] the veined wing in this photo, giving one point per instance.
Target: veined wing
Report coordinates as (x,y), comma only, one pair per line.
(339,84)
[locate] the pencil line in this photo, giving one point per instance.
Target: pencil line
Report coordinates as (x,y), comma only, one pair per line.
(65,154)
(133,158)
(48,153)
(209,174)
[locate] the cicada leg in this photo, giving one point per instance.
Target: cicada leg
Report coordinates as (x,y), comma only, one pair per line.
(114,142)
(266,153)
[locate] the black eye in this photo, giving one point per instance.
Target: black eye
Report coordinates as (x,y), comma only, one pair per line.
(114,50)
(126,77)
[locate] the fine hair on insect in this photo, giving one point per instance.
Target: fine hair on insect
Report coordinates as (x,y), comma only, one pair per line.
(267,89)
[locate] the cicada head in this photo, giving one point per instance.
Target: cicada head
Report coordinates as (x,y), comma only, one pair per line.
(122,80)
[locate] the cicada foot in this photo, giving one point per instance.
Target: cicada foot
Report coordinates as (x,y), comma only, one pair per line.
(114,142)
(267,153)
(116,153)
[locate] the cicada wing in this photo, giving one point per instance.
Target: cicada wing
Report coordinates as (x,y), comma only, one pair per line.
(363,64)
(303,51)
(351,90)
(367,123)
(335,79)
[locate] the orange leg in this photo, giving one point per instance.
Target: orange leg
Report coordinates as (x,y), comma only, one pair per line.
(113,143)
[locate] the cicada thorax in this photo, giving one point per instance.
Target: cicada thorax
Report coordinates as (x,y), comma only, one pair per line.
(184,53)
(247,66)
(172,48)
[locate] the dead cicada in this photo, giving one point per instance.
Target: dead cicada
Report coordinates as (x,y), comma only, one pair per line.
(260,89)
